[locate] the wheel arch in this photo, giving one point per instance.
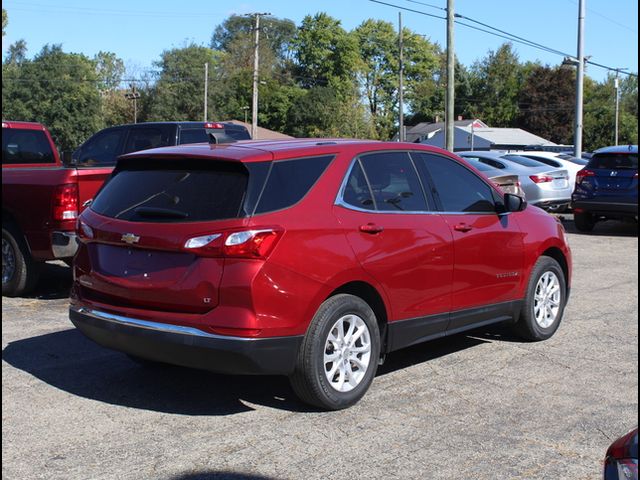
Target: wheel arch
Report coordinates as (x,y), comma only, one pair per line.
(373,298)
(558,256)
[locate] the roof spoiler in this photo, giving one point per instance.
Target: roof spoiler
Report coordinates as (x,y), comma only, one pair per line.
(220,137)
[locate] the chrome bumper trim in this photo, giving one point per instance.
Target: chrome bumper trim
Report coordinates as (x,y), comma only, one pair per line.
(155,326)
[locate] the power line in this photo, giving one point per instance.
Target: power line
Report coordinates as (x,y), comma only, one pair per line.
(595,12)
(507,35)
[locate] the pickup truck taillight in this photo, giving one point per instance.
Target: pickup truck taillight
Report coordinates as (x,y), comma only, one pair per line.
(65,202)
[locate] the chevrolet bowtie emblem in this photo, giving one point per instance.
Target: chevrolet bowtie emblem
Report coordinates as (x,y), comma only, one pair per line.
(130,238)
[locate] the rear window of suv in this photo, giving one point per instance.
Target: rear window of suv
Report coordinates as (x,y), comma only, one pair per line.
(148,190)
(614,161)
(25,147)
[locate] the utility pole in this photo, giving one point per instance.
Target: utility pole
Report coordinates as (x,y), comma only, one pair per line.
(133,95)
(256,64)
(206,86)
(401,135)
(450,78)
(617,85)
(577,149)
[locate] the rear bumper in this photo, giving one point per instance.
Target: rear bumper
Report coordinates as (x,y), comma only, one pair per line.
(63,244)
(189,347)
(607,208)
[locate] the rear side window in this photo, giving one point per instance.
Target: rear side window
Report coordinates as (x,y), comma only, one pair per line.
(458,188)
(148,137)
(289,181)
(148,190)
(238,133)
(614,161)
(546,161)
(25,147)
(201,135)
(524,161)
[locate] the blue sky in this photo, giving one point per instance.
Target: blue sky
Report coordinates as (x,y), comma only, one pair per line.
(138,31)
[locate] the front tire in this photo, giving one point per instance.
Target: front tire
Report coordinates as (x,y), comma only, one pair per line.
(20,272)
(545,301)
(339,355)
(584,221)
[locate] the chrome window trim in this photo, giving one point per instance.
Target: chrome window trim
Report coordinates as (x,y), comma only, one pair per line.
(154,326)
(339,201)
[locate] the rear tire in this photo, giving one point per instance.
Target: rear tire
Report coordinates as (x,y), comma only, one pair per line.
(584,221)
(544,304)
(339,355)
(20,272)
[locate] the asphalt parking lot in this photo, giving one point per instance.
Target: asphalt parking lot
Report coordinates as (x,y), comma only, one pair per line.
(476,406)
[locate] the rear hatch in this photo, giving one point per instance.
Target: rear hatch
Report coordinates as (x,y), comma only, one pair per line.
(611,174)
(135,232)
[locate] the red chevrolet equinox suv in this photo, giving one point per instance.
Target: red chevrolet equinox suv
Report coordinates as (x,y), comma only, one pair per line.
(308,258)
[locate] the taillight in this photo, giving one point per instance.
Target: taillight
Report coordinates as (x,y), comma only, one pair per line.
(65,202)
(243,244)
(541,178)
(215,126)
(584,173)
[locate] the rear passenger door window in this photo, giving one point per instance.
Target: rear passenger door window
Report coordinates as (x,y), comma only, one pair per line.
(457,188)
(393,182)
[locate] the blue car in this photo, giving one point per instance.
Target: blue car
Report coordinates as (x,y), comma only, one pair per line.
(607,188)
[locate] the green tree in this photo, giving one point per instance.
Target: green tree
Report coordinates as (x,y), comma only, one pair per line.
(110,70)
(57,89)
(179,92)
(496,81)
(546,102)
(276,34)
(5,21)
(17,52)
(378,72)
(325,53)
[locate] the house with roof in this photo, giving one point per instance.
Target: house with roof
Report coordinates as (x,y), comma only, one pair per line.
(474,134)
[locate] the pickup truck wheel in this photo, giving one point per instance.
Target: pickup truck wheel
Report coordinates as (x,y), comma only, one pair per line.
(339,355)
(19,271)
(545,301)
(584,221)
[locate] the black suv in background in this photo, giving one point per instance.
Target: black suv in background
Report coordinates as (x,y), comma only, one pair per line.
(607,188)
(104,147)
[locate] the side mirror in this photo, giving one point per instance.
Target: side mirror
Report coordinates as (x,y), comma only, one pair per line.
(514,203)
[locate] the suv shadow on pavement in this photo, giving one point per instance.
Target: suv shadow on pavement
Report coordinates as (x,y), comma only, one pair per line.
(72,363)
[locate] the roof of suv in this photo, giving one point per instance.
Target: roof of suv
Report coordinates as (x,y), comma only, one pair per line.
(618,149)
(262,150)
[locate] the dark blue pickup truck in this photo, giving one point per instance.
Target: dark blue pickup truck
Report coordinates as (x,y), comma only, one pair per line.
(607,188)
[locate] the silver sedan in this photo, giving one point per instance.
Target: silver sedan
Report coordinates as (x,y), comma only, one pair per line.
(545,187)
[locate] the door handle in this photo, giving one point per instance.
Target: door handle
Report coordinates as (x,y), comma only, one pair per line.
(371,228)
(462,227)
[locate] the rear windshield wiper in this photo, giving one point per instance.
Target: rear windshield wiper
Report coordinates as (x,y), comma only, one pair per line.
(151,212)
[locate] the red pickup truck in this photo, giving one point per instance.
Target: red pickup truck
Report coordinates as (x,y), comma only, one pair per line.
(41,200)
